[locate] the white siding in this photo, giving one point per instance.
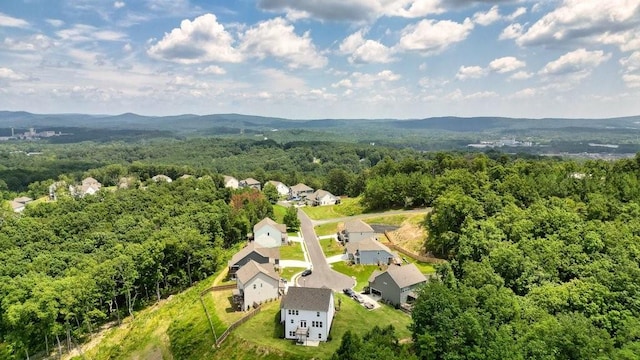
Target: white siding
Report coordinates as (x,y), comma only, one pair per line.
(259,289)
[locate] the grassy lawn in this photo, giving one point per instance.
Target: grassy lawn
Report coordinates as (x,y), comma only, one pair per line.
(177,328)
(292,251)
(348,207)
(424,268)
(288,272)
(326,229)
(331,247)
(223,308)
(395,220)
(264,331)
(361,272)
(278,213)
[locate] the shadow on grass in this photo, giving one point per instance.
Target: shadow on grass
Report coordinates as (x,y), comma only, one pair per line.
(231,308)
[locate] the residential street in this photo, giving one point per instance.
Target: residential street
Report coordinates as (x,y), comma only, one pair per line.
(322,274)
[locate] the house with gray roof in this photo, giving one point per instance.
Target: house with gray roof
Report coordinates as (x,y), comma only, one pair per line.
(268,233)
(355,231)
(322,197)
(254,252)
(307,313)
(256,284)
(397,284)
(250,183)
(370,251)
(300,190)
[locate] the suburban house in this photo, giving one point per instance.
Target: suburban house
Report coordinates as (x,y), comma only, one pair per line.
(282,188)
(355,231)
(18,204)
(256,283)
(254,252)
(300,190)
(323,197)
(89,186)
(250,183)
(268,233)
(161,177)
(231,182)
(371,252)
(307,313)
(397,284)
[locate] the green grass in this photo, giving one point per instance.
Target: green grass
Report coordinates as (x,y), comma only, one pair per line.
(278,213)
(264,331)
(288,272)
(394,220)
(331,247)
(360,272)
(347,207)
(177,328)
(424,268)
(292,252)
(326,229)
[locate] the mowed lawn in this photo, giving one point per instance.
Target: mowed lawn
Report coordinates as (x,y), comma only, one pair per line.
(347,207)
(326,229)
(331,247)
(266,332)
(360,272)
(288,272)
(292,251)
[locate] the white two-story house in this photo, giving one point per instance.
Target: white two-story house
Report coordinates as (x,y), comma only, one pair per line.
(307,313)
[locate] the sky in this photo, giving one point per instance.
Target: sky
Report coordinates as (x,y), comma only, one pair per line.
(310,59)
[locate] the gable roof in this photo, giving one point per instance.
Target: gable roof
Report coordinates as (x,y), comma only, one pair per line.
(368,244)
(300,187)
(357,226)
(275,183)
(271,253)
(319,194)
(251,181)
(304,298)
(90,180)
(267,221)
(252,268)
(161,178)
(405,275)
(228,178)
(23,199)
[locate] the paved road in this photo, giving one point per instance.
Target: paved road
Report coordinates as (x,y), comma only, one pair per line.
(322,274)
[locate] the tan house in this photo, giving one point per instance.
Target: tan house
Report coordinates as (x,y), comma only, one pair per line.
(89,186)
(256,284)
(250,183)
(19,204)
(300,190)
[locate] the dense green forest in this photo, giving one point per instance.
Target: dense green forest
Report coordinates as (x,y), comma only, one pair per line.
(544,253)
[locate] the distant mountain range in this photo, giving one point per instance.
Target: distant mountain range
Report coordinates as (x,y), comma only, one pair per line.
(189,123)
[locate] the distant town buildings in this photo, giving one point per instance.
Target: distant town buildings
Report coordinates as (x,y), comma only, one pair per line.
(501,143)
(30,134)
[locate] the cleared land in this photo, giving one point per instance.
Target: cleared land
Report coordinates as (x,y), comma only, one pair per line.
(360,272)
(288,272)
(326,229)
(331,247)
(292,251)
(347,207)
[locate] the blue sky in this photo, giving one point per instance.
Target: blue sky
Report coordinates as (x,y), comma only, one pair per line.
(307,59)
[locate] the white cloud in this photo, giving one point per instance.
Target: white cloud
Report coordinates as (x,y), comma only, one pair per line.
(582,19)
(432,37)
(37,42)
(632,62)
(82,33)
(9,21)
(517,13)
(127,47)
(524,93)
(506,64)
(512,31)
(521,75)
(365,51)
(119,4)
(8,74)
(277,38)
(631,80)
(481,95)
(470,72)
(213,69)
(487,18)
(197,41)
(362,81)
(577,64)
(413,9)
(55,22)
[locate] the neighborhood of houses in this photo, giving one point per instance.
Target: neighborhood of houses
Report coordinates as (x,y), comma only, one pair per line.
(306,312)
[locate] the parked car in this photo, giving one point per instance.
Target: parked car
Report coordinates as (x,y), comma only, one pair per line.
(306,272)
(358,298)
(349,292)
(369,305)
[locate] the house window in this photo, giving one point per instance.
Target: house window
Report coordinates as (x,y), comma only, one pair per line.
(292,321)
(254,286)
(289,311)
(318,313)
(292,333)
(319,336)
(303,324)
(297,312)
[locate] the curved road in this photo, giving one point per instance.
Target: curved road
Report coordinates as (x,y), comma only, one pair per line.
(322,274)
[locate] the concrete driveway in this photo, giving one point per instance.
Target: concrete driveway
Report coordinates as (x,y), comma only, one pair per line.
(322,274)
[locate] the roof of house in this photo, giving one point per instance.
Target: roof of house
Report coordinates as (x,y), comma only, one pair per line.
(404,276)
(249,270)
(228,178)
(368,244)
(304,298)
(267,221)
(319,194)
(16,206)
(161,177)
(185,176)
(357,226)
(23,199)
(300,187)
(251,181)
(90,180)
(271,253)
